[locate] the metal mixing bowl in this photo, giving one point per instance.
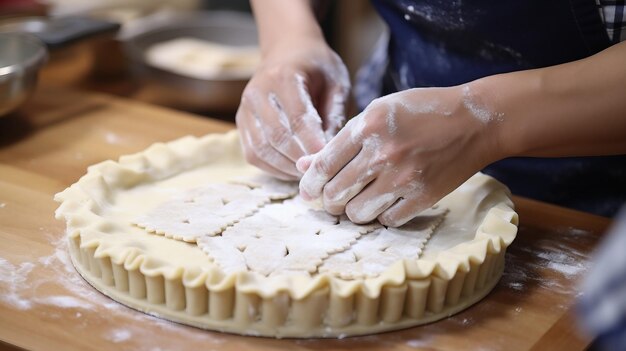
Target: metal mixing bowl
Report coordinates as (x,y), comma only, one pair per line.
(221,94)
(21,56)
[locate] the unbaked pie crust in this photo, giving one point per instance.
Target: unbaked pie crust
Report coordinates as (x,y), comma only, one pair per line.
(176,280)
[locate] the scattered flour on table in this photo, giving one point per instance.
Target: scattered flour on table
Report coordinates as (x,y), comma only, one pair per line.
(12,277)
(418,343)
(554,255)
(119,335)
(3,205)
(112,138)
(64,302)
(23,289)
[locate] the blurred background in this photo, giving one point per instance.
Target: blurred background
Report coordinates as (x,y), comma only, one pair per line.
(191,55)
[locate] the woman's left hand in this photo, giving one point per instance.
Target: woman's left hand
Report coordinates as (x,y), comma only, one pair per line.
(402,154)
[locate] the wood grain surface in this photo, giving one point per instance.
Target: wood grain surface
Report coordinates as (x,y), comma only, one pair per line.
(44,305)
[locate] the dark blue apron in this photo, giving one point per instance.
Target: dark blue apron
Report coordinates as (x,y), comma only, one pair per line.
(445,43)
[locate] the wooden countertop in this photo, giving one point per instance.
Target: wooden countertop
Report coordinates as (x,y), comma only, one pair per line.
(44,305)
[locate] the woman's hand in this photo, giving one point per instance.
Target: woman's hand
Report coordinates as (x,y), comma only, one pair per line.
(401,155)
(293,104)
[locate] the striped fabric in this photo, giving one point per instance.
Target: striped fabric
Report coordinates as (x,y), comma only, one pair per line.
(613,15)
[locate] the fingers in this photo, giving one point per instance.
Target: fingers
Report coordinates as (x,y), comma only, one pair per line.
(289,119)
(333,104)
(304,121)
(353,178)
(333,110)
(414,200)
(328,162)
(372,201)
(403,211)
(274,124)
(258,151)
(376,192)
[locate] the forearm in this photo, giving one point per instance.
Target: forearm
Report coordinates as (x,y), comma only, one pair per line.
(284,19)
(573,109)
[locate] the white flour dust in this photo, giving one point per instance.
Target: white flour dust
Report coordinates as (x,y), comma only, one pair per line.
(112,138)
(313,180)
(282,116)
(311,116)
(119,335)
(338,74)
(284,121)
(356,126)
(392,124)
(345,195)
(447,18)
(3,205)
(477,109)
(25,287)
(336,115)
(418,343)
(64,302)
(554,263)
(366,211)
(396,102)
(11,278)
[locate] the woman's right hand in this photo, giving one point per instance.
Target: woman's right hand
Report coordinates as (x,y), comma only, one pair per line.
(293,105)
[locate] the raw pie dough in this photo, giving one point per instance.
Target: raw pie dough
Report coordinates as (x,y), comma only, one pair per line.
(189,231)
(201,59)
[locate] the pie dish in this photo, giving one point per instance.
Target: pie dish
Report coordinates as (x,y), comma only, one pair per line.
(188,231)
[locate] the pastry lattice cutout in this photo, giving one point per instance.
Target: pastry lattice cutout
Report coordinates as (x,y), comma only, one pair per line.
(237,226)
(376,251)
(288,237)
(211,209)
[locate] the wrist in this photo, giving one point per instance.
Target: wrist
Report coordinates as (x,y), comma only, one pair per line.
(483,118)
(283,45)
(505,99)
(284,23)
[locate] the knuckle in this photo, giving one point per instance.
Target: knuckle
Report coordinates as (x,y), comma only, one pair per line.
(273,72)
(278,137)
(280,74)
(321,167)
(375,122)
(330,193)
(298,123)
(333,208)
(378,162)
